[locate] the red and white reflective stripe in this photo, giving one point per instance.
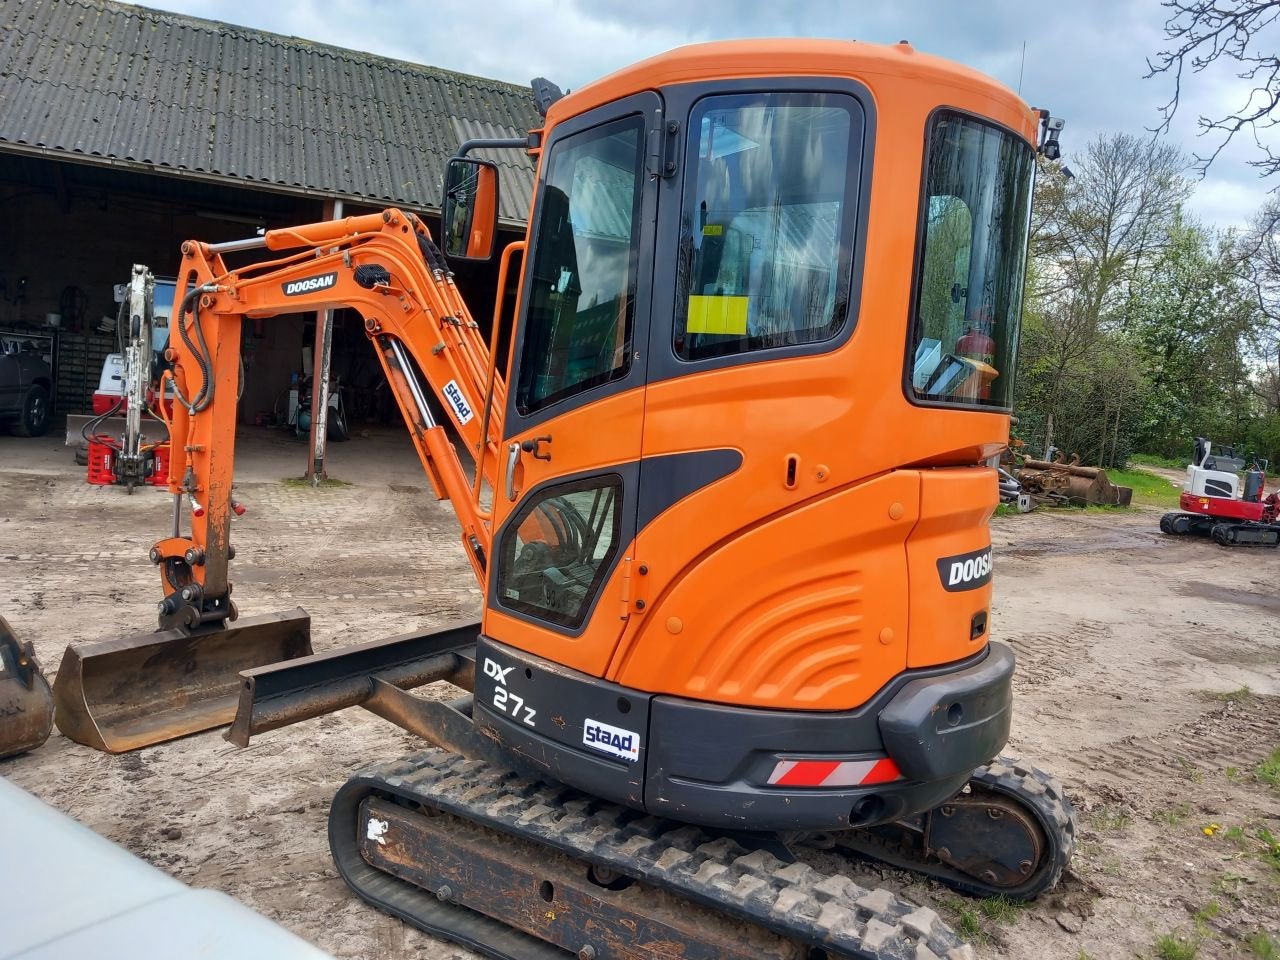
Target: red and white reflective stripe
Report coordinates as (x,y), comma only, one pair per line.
(833,773)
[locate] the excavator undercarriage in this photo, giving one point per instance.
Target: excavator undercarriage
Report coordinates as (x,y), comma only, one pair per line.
(477,843)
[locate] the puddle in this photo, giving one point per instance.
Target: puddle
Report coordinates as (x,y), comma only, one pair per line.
(1212,591)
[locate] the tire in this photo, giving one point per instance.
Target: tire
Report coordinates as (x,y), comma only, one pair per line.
(82,455)
(337,424)
(33,421)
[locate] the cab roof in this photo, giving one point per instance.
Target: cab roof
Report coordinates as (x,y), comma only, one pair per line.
(876,65)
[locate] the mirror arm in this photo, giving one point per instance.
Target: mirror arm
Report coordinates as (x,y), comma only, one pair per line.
(491,143)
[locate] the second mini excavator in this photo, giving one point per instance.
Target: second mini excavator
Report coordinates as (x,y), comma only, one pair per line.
(730,516)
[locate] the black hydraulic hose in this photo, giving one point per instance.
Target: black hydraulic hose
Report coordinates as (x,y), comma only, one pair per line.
(205,396)
(84,430)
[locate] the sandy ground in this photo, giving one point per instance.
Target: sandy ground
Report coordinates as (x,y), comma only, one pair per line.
(1128,644)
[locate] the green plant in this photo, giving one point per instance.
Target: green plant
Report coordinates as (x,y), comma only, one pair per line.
(1174,815)
(1271,847)
(1205,914)
(1236,835)
(1268,771)
(1232,773)
(1241,695)
(1173,947)
(1228,885)
(1264,947)
(1194,773)
(1148,489)
(1155,460)
(1000,909)
(969,925)
(1110,819)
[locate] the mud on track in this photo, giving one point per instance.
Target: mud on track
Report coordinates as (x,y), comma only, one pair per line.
(1126,642)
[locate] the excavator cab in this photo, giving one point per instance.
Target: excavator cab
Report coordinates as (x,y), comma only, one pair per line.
(706,381)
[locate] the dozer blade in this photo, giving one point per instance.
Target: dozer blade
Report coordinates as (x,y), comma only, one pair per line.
(26,705)
(120,695)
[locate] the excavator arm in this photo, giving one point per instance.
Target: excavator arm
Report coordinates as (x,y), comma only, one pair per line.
(387,267)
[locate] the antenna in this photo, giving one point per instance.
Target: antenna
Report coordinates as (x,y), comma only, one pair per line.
(1022,67)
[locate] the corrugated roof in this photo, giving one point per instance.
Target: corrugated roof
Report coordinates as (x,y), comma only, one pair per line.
(132,85)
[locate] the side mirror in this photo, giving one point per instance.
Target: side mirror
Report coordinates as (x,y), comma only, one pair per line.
(470,210)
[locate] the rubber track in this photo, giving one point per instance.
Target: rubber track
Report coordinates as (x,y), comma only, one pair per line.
(794,900)
(1044,795)
(1040,793)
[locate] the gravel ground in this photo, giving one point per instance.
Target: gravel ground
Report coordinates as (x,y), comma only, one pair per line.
(1133,654)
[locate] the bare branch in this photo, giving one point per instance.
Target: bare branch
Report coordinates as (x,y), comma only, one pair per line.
(1203,32)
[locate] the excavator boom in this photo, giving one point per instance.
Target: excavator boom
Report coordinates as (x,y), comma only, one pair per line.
(126,693)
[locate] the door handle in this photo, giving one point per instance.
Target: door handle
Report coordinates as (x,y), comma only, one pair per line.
(513,459)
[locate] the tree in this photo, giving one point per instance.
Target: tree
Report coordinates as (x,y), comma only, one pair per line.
(1203,32)
(1091,234)
(1192,319)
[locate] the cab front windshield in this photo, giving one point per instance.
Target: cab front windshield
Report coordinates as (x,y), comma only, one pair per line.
(968,298)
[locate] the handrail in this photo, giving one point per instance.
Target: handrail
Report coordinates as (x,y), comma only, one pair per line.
(504,266)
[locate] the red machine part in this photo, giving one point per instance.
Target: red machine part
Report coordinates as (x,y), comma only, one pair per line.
(1221,507)
(102,473)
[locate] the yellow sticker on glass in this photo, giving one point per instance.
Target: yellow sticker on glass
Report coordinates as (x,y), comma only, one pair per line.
(713,230)
(722,315)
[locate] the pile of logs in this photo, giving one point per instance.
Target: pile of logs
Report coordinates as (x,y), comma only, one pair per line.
(1070,483)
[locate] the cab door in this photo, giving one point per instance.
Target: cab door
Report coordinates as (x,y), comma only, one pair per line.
(565,507)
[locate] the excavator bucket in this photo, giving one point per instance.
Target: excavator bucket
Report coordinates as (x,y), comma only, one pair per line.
(26,705)
(124,694)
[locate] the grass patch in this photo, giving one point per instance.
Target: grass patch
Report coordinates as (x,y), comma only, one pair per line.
(1264,947)
(1148,489)
(1194,773)
(304,482)
(968,925)
(1207,913)
(1229,885)
(1236,835)
(1242,695)
(1154,460)
(1268,771)
(1000,909)
(1006,510)
(1173,947)
(1110,819)
(974,920)
(1174,815)
(1271,847)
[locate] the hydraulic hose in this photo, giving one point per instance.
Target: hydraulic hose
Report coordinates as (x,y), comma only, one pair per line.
(201,353)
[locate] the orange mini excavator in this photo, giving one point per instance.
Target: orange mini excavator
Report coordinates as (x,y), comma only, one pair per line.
(729,513)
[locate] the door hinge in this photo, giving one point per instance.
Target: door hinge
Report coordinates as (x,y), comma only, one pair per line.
(662,146)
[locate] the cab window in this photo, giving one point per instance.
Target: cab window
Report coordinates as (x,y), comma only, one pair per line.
(969,271)
(766,235)
(558,549)
(581,314)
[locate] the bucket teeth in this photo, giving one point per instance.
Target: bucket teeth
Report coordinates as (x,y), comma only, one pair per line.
(131,692)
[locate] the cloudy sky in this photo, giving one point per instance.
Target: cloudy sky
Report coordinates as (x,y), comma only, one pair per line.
(1085,59)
